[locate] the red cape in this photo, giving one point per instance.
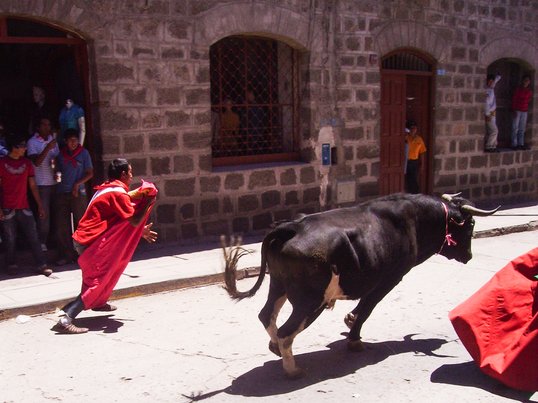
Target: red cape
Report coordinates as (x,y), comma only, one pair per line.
(498,325)
(104,261)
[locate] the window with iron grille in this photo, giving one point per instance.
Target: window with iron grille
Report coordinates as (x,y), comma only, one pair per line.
(254,100)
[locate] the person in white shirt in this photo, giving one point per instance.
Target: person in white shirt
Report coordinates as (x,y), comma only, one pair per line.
(489,114)
(42,151)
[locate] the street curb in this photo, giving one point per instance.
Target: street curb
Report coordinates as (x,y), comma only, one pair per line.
(530,226)
(200,281)
(129,292)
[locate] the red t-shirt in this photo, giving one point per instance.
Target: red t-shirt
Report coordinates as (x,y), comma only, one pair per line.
(109,207)
(521,99)
(14,174)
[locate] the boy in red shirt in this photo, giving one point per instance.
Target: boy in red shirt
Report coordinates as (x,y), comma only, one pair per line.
(520,106)
(16,175)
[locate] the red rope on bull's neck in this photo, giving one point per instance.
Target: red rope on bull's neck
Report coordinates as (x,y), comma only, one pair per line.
(449,241)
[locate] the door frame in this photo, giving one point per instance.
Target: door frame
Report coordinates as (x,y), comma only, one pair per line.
(79,48)
(428,135)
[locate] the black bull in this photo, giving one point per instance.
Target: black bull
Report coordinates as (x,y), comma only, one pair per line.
(359,252)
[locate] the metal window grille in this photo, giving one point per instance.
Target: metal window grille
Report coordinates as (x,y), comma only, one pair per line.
(405,61)
(254,100)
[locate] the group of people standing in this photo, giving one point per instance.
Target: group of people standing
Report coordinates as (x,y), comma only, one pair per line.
(57,180)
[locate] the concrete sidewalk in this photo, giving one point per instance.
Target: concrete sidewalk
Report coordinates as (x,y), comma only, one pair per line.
(170,267)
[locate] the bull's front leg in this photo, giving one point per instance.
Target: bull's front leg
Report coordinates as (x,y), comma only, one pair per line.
(356,318)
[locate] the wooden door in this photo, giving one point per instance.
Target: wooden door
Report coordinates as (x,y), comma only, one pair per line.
(391,179)
(417,96)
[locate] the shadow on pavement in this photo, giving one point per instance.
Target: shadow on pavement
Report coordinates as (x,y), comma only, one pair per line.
(468,374)
(337,362)
(103,323)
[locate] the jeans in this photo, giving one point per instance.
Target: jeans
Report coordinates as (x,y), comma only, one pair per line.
(66,204)
(518,128)
(411,177)
(43,224)
(25,219)
(491,133)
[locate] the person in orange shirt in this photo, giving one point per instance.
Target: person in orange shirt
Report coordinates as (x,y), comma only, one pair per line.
(416,151)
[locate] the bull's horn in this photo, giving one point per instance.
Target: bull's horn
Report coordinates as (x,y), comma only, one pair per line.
(448,197)
(478,212)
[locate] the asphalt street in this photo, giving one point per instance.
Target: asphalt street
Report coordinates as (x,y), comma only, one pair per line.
(198,345)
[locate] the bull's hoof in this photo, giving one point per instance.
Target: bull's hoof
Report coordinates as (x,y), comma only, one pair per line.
(297,373)
(349,320)
(273,347)
(355,346)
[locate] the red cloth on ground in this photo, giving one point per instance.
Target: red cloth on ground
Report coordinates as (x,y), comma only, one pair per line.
(104,211)
(498,325)
(104,261)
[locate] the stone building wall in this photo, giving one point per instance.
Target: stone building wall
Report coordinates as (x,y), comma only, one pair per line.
(149,74)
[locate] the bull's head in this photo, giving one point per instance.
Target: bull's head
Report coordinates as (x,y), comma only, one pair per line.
(460,225)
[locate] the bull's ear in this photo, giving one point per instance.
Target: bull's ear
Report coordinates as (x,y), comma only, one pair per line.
(478,212)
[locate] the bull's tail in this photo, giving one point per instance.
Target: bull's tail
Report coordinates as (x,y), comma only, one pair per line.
(232,254)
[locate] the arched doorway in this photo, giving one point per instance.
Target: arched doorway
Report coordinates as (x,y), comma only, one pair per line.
(35,54)
(511,72)
(406,94)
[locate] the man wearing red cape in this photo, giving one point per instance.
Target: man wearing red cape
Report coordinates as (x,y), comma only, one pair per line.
(106,238)
(498,325)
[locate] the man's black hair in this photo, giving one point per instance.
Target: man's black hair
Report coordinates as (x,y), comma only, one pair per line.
(116,167)
(490,77)
(70,133)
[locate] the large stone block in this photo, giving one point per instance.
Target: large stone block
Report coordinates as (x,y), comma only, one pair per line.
(262,221)
(247,203)
(179,187)
(183,164)
(160,166)
(270,199)
(240,225)
(166,213)
(210,184)
(197,140)
(288,177)
(186,211)
(209,207)
(133,144)
(123,72)
(163,141)
(234,181)
(260,179)
(168,96)
(119,119)
(308,175)
(177,118)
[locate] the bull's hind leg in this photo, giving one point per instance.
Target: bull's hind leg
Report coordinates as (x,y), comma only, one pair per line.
(303,314)
(269,313)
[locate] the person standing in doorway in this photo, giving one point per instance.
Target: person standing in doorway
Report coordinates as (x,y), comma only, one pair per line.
(416,151)
(490,107)
(42,151)
(520,106)
(76,168)
(106,238)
